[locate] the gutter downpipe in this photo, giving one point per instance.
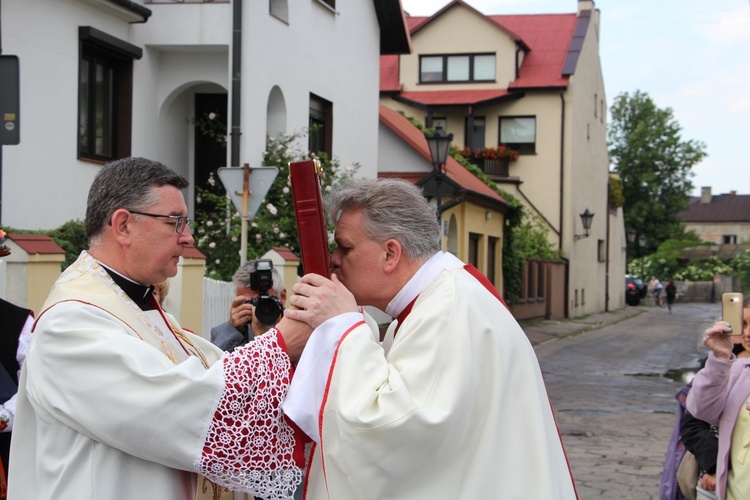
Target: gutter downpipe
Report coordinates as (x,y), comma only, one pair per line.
(562,192)
(606,264)
(236,81)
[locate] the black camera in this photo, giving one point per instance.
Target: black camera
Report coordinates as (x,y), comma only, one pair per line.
(268,308)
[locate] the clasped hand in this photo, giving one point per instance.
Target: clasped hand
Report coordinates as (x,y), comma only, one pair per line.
(317,299)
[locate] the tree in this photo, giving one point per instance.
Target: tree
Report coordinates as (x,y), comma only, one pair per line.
(654,163)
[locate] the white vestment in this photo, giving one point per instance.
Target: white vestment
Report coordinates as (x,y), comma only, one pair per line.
(116,403)
(455,408)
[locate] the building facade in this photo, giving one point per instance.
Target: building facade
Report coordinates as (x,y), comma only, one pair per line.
(533,84)
(103,79)
(723,219)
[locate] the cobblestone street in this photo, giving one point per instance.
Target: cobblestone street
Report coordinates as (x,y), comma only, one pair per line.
(611,378)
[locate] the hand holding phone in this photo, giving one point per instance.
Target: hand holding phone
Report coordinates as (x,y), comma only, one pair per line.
(731,311)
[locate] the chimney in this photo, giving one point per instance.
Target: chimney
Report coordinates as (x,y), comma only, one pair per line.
(585,5)
(732,193)
(705,195)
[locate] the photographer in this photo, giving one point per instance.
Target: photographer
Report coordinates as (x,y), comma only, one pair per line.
(260,295)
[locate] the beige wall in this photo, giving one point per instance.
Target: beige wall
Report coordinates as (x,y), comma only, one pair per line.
(42,271)
(185,298)
(586,186)
(28,278)
(468,33)
(466,218)
(714,232)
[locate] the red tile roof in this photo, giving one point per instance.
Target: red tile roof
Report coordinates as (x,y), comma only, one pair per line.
(415,138)
(286,254)
(389,74)
(36,244)
(722,208)
(547,36)
(192,253)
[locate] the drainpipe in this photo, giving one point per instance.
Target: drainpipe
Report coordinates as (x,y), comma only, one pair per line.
(562,166)
(236,81)
(606,264)
(562,179)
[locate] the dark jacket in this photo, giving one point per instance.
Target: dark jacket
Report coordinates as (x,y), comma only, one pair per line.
(701,440)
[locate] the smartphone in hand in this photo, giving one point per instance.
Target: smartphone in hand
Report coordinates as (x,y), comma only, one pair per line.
(731,311)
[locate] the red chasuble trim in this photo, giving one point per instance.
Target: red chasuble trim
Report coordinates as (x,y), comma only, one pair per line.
(486,282)
(401,317)
(325,400)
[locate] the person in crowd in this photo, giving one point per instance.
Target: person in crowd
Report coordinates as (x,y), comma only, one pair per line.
(452,403)
(671,292)
(15,339)
(117,401)
(655,286)
(243,324)
(701,439)
(721,396)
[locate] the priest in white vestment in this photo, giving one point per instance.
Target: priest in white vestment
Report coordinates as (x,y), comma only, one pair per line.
(451,404)
(118,402)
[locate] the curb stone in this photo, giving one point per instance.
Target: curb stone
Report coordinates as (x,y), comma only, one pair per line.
(540,331)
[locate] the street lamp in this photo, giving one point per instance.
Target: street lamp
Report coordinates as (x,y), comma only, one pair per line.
(439,144)
(642,240)
(714,249)
(630,234)
(586,218)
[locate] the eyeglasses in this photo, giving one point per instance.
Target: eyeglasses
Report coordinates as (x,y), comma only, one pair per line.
(180,220)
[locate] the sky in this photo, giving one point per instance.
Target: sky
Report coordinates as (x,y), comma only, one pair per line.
(692,56)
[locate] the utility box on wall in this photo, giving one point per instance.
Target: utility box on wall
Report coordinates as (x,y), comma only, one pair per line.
(10,115)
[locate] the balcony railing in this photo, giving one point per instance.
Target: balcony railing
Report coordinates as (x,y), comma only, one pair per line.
(498,168)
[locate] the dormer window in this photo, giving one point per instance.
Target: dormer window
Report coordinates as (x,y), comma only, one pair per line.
(457,68)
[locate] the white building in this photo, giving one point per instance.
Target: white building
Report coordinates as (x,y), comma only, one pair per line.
(273,65)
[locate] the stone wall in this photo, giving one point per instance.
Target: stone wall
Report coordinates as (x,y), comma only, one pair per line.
(701,291)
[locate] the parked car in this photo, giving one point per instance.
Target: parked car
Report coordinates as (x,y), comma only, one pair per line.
(635,290)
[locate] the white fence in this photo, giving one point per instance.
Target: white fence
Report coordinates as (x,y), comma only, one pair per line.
(217,299)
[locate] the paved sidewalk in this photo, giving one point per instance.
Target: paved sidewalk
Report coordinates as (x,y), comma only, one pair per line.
(539,331)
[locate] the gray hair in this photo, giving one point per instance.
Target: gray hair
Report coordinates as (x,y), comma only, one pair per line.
(241,277)
(127,183)
(392,209)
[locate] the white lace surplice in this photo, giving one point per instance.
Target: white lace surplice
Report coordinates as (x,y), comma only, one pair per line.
(249,446)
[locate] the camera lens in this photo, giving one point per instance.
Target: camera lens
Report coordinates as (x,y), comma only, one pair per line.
(268,310)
